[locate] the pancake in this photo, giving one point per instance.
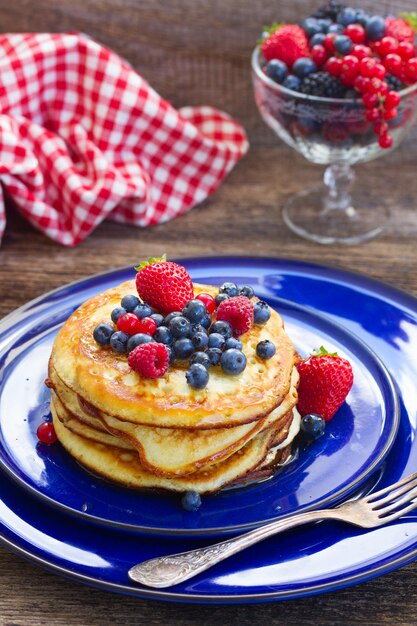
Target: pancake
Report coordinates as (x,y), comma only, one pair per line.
(124,467)
(168,451)
(103,379)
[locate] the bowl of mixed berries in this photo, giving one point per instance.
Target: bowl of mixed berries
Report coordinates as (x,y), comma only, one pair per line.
(341,88)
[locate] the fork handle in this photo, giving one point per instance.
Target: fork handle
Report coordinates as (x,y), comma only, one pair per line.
(165,571)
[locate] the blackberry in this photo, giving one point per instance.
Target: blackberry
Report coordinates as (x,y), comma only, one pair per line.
(329,10)
(323,85)
(394,83)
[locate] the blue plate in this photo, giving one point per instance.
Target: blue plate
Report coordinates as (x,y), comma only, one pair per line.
(355,444)
(310,560)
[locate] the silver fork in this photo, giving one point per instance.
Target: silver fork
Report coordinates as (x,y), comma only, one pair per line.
(376,509)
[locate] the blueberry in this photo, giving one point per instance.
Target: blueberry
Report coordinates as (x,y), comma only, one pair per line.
(361,17)
(142,310)
(130,302)
(233,343)
(214,355)
(200,340)
(191,501)
(375,27)
(157,318)
(292,82)
(206,321)
(233,361)
(163,335)
(180,327)
(197,376)
(276,70)
(201,358)
(311,26)
(347,16)
(343,44)
(116,313)
(265,349)
(183,348)
(324,22)
(247,291)
(304,66)
(230,288)
(118,341)
(194,311)
(261,312)
(170,316)
(313,425)
(171,354)
(221,297)
(102,334)
(221,327)
(317,40)
(137,340)
(198,328)
(216,340)
(336,28)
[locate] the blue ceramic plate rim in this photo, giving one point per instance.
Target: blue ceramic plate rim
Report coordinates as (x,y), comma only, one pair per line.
(358,575)
(329,500)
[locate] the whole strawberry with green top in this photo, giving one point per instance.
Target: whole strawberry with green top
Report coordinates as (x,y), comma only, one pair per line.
(325,381)
(286,42)
(164,285)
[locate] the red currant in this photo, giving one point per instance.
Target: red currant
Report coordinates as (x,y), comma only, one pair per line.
(392,100)
(129,323)
(319,55)
(411,69)
(405,50)
(328,42)
(380,71)
(148,326)
(370,100)
(392,63)
(208,300)
(372,115)
(378,86)
(380,128)
(356,32)
(387,45)
(350,64)
(366,67)
(46,433)
(360,52)
(333,66)
(385,141)
(390,114)
(361,84)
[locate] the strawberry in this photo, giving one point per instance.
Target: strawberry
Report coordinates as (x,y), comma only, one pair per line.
(400,28)
(164,285)
(286,43)
(150,360)
(325,381)
(238,311)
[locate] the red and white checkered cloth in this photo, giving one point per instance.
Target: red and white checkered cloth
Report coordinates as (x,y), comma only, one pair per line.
(83,137)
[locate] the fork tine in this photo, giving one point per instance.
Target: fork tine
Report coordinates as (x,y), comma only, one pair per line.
(393,495)
(374,496)
(398,503)
(397,514)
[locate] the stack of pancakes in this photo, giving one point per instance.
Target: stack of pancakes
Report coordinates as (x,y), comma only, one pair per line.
(161,433)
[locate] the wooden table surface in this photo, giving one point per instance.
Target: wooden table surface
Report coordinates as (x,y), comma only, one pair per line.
(242,217)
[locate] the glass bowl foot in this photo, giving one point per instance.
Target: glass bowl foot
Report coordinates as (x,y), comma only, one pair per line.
(310,215)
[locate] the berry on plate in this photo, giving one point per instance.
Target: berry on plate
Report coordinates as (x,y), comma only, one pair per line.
(238,312)
(46,433)
(197,376)
(325,381)
(150,360)
(164,285)
(286,43)
(232,362)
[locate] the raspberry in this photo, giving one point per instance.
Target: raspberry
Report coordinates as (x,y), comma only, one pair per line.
(238,311)
(150,360)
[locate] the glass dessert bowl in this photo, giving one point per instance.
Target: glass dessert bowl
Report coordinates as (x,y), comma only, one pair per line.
(332,132)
